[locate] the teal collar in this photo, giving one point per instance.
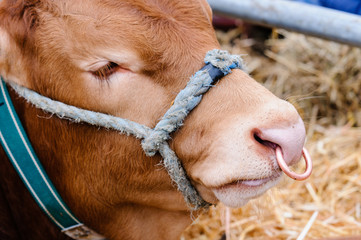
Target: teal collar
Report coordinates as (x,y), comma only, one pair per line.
(21,154)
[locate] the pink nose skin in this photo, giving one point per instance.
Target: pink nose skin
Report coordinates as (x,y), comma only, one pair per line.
(288,144)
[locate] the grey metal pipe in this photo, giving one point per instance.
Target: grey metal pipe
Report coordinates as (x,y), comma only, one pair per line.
(295,16)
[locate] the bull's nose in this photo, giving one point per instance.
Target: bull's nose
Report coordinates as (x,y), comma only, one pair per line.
(290,139)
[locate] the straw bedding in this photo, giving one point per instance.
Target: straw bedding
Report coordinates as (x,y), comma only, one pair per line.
(323,80)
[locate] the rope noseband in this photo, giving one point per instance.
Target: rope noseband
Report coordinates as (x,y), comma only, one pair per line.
(218,64)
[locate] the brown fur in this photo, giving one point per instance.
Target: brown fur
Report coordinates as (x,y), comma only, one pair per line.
(103,176)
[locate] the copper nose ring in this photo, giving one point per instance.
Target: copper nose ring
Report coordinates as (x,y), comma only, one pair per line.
(286,169)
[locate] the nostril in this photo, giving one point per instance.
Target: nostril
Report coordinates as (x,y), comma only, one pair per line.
(285,146)
(289,138)
(265,142)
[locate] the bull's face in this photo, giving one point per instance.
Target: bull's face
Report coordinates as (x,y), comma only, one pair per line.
(130,59)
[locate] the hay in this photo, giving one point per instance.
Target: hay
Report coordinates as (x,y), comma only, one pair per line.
(323,80)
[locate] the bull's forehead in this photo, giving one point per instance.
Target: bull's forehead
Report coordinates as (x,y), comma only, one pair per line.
(155,31)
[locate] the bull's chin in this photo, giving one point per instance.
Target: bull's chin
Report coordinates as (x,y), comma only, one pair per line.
(237,194)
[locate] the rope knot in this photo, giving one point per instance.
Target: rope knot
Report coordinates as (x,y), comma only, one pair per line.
(224,61)
(152,143)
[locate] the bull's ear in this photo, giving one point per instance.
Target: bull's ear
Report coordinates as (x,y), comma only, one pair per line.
(17,24)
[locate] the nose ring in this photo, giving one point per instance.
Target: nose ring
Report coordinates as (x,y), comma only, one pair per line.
(286,169)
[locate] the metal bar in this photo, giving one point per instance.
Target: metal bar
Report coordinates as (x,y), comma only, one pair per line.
(295,16)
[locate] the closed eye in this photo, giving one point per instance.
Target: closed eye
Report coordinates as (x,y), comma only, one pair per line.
(106,71)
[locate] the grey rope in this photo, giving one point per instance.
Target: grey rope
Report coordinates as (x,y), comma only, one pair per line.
(78,115)
(189,98)
(154,140)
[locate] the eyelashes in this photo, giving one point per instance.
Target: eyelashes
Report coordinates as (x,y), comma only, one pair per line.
(106,71)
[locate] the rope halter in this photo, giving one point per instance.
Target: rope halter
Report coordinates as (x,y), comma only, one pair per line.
(218,64)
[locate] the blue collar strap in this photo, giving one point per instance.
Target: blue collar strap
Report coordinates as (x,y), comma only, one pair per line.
(21,154)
